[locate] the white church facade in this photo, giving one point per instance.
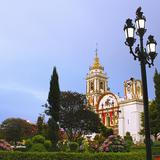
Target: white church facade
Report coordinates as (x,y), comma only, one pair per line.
(121,114)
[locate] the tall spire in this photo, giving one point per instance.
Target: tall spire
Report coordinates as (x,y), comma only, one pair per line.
(96,63)
(96,50)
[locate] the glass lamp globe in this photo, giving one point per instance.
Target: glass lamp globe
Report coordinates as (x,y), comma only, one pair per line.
(129,30)
(140,23)
(151,45)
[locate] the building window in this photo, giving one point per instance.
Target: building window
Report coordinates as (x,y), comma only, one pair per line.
(92,86)
(101,85)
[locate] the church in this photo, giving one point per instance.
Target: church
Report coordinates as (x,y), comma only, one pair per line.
(121,114)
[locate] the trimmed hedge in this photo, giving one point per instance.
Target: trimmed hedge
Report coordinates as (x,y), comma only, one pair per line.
(155,150)
(70,156)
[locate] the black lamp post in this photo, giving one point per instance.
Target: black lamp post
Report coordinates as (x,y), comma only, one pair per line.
(145,57)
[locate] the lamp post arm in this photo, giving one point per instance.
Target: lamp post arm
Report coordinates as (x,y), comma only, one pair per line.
(149,62)
(135,55)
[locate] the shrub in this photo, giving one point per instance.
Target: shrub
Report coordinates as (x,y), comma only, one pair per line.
(38,148)
(80,140)
(38,143)
(70,156)
(114,143)
(99,138)
(47,144)
(63,146)
(85,145)
(28,143)
(93,146)
(73,146)
(128,140)
(38,139)
(107,132)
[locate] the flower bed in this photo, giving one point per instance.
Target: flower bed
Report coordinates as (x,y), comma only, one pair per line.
(5,145)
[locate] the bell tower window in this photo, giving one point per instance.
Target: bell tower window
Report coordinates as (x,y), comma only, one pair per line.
(101,85)
(92,86)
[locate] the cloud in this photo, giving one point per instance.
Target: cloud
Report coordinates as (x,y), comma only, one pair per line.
(40,95)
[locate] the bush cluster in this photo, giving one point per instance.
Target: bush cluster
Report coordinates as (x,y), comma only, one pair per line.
(70,156)
(38,143)
(113,143)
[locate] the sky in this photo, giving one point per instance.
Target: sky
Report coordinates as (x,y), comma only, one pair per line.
(36,35)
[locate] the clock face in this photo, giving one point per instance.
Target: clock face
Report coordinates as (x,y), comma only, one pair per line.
(108,101)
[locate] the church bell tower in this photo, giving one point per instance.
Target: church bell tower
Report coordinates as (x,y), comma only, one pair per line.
(96,82)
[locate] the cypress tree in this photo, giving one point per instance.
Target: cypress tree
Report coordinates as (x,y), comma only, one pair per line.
(54,97)
(53,108)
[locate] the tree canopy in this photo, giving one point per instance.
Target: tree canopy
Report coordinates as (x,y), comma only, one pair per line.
(157,88)
(40,124)
(15,129)
(154,109)
(75,118)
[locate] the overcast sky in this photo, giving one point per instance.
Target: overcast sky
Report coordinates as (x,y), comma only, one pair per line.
(36,35)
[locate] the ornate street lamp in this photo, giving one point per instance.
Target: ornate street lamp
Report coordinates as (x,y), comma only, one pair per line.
(129,29)
(145,57)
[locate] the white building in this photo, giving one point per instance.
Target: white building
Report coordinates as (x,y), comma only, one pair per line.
(121,114)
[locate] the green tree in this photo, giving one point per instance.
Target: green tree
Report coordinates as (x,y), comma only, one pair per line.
(128,140)
(40,124)
(106,131)
(15,129)
(154,109)
(71,101)
(76,119)
(53,108)
(157,88)
(154,120)
(142,124)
